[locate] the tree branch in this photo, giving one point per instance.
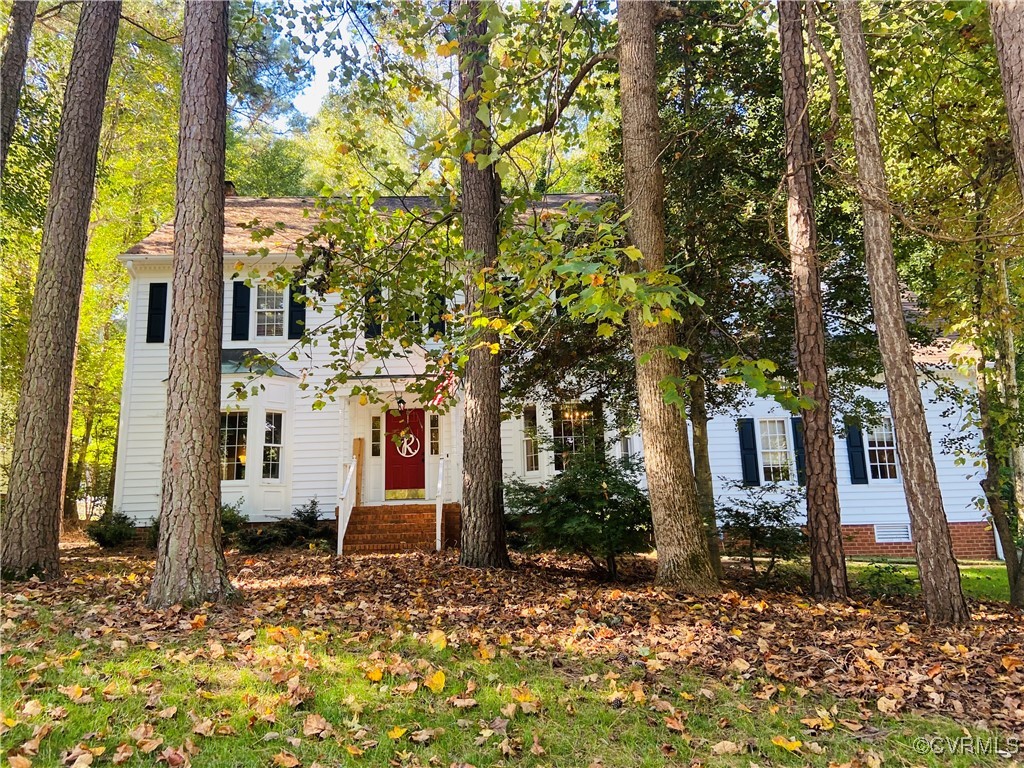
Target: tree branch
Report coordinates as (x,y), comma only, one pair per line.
(563,102)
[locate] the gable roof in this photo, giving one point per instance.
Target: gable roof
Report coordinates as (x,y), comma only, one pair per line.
(297,216)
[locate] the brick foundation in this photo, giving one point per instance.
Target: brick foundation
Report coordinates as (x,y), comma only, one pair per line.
(971,541)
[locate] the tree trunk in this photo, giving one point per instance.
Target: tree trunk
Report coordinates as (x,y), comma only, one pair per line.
(190,566)
(76,468)
(1007,20)
(12,71)
(483,513)
(31,521)
(828,563)
(992,485)
(940,577)
(683,557)
(703,480)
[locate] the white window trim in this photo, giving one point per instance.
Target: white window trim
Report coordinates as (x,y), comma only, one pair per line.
(255,310)
(279,480)
(790,450)
(531,440)
(248,458)
(867,456)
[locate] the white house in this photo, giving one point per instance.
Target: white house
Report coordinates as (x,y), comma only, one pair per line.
(278,452)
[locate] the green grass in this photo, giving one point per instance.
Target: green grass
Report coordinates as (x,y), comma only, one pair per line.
(581,721)
(983,580)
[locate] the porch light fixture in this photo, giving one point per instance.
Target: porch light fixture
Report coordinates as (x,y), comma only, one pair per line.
(401,405)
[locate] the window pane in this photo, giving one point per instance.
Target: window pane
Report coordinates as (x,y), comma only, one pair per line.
(882,451)
(775,456)
(435,435)
(269,311)
(531,449)
(272,442)
(375,436)
(234,428)
(570,424)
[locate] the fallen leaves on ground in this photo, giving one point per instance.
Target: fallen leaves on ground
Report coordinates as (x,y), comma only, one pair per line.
(883,658)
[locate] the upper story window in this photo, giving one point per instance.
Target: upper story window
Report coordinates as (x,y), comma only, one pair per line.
(776,458)
(234,438)
(881,445)
(270,311)
(531,449)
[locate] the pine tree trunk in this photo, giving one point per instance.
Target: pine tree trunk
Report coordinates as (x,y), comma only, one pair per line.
(31,522)
(1007,20)
(703,479)
(483,513)
(940,577)
(828,563)
(12,71)
(683,558)
(190,566)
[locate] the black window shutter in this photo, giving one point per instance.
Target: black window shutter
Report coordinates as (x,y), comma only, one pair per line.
(797,423)
(855,450)
(156,318)
(437,325)
(296,312)
(239,311)
(748,452)
(372,328)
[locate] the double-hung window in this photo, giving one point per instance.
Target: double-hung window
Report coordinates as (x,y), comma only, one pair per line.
(234,438)
(270,311)
(776,457)
(881,446)
(571,425)
(531,450)
(273,442)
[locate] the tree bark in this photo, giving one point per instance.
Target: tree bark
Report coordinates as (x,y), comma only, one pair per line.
(940,577)
(1007,20)
(703,479)
(683,558)
(483,513)
(828,563)
(190,565)
(12,71)
(31,522)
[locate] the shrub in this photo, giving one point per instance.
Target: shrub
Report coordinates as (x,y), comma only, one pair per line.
(112,529)
(762,520)
(232,520)
(884,579)
(595,507)
(303,526)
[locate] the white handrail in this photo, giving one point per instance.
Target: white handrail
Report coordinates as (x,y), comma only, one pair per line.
(439,513)
(346,500)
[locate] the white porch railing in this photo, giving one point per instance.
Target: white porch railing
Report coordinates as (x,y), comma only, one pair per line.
(346,500)
(439,512)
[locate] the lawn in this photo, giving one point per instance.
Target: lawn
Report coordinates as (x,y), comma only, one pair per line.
(982,580)
(413,661)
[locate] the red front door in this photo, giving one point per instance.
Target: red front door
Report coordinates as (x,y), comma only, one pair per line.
(404,455)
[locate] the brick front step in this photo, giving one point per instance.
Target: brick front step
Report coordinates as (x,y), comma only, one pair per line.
(388,528)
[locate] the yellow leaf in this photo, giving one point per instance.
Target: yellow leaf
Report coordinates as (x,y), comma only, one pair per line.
(435,682)
(397,732)
(375,674)
(949,15)
(787,744)
(353,750)
(438,639)
(286,760)
(470,157)
(19,761)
